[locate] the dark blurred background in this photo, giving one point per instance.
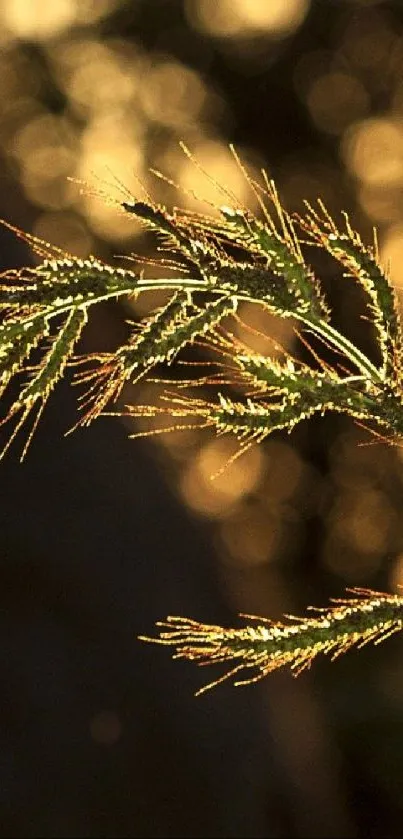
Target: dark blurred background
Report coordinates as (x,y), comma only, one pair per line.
(100,536)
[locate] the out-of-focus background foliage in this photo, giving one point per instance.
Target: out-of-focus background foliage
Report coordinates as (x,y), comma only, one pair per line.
(100,535)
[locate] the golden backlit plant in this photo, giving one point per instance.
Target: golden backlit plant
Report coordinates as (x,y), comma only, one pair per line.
(208,265)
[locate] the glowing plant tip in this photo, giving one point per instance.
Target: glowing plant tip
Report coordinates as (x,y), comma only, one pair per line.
(264,645)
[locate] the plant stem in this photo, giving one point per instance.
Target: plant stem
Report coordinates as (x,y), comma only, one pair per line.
(330,334)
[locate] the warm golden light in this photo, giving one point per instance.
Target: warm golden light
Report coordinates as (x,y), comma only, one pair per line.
(360,528)
(172,94)
(212,487)
(251,537)
(40,20)
(95,76)
(392,254)
(335,100)
(373,151)
(256,324)
(242,18)
(214,177)
(111,153)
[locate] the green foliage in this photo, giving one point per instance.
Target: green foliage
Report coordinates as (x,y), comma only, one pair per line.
(214,264)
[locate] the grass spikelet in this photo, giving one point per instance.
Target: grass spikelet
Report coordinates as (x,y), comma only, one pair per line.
(362,263)
(264,646)
(16,344)
(177,236)
(45,375)
(280,406)
(284,259)
(58,284)
(159,339)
